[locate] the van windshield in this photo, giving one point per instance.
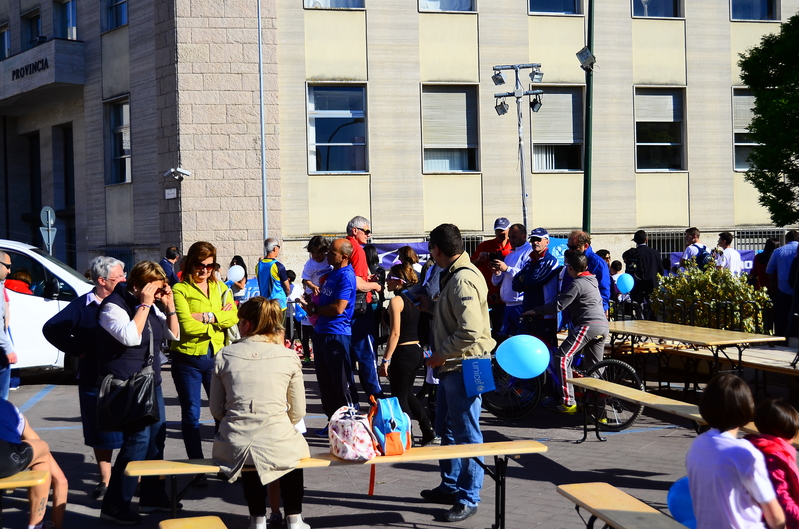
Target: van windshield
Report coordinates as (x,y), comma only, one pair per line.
(71,271)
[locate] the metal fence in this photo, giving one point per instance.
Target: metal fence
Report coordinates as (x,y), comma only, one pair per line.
(668,241)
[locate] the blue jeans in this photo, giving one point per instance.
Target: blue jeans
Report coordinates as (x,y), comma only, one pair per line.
(458,423)
(138,445)
(5,377)
(191,374)
(363,351)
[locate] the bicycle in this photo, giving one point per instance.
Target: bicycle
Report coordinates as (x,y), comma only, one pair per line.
(515,398)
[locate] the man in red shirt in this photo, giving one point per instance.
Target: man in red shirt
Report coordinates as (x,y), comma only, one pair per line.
(497,248)
(363,350)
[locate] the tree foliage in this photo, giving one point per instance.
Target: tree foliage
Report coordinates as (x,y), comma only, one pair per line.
(771,70)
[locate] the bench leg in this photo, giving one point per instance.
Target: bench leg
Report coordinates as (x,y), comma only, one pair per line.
(499,475)
(585,418)
(178,495)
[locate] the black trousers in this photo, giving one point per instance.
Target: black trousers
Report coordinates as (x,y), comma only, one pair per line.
(405,364)
(291,491)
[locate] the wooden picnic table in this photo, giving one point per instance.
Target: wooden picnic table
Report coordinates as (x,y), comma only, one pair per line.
(715,340)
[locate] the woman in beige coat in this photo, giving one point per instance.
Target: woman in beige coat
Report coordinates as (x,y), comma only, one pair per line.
(258,395)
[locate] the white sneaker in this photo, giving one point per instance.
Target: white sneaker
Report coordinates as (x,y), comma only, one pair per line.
(294,521)
(257,522)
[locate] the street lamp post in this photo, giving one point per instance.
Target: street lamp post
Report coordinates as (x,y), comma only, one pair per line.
(536,76)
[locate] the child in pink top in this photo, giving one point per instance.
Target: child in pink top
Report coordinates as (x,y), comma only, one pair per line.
(778,423)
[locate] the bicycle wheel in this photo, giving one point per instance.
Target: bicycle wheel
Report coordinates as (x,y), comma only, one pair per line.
(615,414)
(513,397)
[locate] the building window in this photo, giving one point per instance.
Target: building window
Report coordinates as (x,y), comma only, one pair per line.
(5,43)
(755,10)
(120,143)
(742,103)
(337,129)
(117,13)
(659,129)
(657,8)
(558,131)
(66,22)
(31,30)
(449,128)
(569,7)
(334,4)
(447,5)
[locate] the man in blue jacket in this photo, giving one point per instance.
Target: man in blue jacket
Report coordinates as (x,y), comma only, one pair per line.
(580,241)
(539,282)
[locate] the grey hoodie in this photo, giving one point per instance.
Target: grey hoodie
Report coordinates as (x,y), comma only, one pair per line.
(583,300)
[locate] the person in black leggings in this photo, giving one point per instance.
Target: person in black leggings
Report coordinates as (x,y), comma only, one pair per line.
(404,355)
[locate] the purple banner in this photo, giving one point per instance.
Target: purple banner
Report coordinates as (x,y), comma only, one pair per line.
(388,251)
(747,256)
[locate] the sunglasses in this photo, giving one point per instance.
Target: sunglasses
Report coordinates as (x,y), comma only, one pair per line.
(7,265)
(161,291)
(367,232)
(208,267)
(572,246)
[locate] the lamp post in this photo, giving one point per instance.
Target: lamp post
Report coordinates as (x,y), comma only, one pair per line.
(587,61)
(263,133)
(536,76)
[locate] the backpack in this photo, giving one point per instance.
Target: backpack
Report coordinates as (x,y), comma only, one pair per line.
(390,426)
(632,265)
(703,258)
(350,436)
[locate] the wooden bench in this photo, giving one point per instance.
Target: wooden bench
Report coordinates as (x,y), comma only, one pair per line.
(650,400)
(501,451)
(22,480)
(199,522)
(616,508)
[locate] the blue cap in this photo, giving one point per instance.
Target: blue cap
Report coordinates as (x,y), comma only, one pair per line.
(539,233)
(501,224)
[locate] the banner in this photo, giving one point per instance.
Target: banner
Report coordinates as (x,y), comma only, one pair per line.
(747,257)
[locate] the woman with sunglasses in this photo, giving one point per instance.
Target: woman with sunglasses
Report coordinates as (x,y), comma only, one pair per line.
(132,327)
(204,312)
(404,355)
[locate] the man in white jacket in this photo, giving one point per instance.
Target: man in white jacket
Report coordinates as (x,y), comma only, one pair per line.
(504,271)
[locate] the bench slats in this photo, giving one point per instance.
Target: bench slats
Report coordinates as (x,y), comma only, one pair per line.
(24,479)
(422,453)
(682,409)
(617,508)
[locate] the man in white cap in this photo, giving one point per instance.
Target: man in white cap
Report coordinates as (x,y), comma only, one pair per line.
(539,282)
(485,253)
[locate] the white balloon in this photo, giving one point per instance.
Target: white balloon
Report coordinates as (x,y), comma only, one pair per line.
(235,273)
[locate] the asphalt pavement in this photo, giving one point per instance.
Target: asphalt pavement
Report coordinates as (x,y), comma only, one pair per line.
(643,461)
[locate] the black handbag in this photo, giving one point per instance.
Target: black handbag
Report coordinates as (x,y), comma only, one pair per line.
(131,404)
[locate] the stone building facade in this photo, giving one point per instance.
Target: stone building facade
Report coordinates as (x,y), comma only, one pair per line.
(98,106)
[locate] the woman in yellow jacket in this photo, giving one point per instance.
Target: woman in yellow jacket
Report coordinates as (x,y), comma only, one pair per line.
(204,312)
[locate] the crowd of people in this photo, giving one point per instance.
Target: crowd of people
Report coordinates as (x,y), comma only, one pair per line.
(228,341)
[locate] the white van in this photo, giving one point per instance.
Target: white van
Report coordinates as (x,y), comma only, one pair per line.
(53,285)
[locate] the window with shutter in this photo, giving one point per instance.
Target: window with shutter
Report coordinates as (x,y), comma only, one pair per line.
(742,103)
(557,130)
(449,128)
(659,129)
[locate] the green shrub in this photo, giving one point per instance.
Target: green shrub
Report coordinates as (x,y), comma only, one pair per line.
(703,291)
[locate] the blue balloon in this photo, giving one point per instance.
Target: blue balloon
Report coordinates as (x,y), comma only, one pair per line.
(680,504)
(523,356)
(625,283)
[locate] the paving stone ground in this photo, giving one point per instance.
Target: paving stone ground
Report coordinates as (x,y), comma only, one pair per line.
(643,461)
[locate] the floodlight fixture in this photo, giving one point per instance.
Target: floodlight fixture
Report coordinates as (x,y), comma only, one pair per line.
(535,103)
(586,59)
(498,78)
(501,108)
(537,76)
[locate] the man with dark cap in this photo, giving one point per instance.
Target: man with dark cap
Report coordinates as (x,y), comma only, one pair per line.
(645,264)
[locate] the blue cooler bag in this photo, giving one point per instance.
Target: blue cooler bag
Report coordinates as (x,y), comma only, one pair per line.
(391,426)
